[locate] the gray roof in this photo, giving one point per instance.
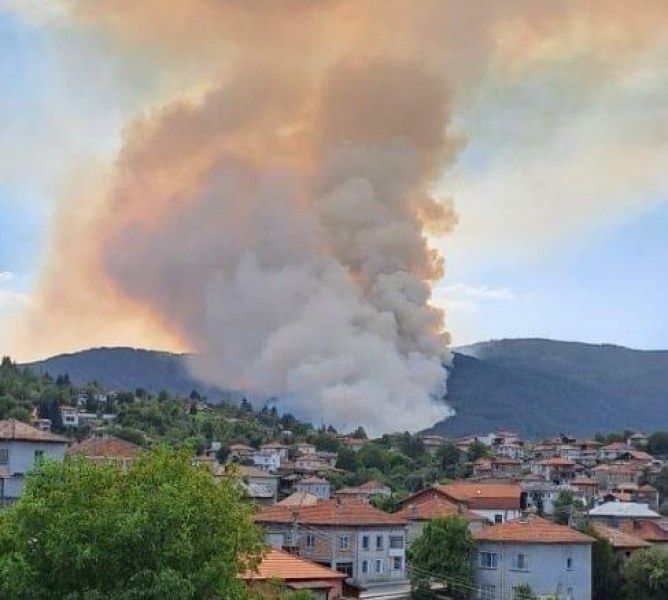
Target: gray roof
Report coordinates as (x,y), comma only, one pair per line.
(624,509)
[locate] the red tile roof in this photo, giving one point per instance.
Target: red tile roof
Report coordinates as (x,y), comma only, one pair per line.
(648,530)
(584,481)
(104,447)
(329,512)
(11,429)
(277,564)
(483,495)
(620,539)
(436,508)
(532,530)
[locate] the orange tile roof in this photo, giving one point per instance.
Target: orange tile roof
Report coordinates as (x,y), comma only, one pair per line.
(104,447)
(371,486)
(638,455)
(502,460)
(483,495)
(532,530)
(299,499)
(329,512)
(436,508)
(584,481)
(648,530)
(11,429)
(285,566)
(618,538)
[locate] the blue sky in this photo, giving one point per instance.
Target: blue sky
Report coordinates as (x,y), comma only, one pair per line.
(587,266)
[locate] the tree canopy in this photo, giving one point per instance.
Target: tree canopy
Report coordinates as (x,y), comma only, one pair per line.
(646,575)
(160,528)
(443,553)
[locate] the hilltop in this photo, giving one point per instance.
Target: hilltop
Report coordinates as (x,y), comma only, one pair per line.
(534,386)
(539,387)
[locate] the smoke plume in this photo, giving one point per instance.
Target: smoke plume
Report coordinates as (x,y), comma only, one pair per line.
(275,219)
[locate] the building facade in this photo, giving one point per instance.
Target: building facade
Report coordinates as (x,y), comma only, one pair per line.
(21,448)
(553,560)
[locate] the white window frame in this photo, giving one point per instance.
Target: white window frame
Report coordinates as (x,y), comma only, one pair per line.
(365,566)
(366,542)
(397,563)
(344,542)
(396,542)
(381,545)
(520,562)
(493,562)
(378,565)
(488,592)
(310,540)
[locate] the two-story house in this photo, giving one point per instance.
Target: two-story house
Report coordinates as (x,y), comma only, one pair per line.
(497,502)
(365,543)
(267,459)
(317,486)
(553,560)
(21,446)
(418,515)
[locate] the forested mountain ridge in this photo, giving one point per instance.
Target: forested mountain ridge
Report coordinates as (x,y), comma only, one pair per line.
(535,386)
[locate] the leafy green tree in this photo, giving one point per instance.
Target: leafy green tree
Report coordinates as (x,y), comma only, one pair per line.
(372,456)
(443,553)
(565,506)
(524,592)
(661,482)
(477,450)
(448,458)
(658,443)
(646,576)
(359,434)
(347,460)
(160,529)
(605,567)
(412,446)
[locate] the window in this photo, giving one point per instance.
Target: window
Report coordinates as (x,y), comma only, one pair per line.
(310,540)
(379,542)
(345,567)
(519,593)
(365,542)
(379,565)
(343,542)
(489,560)
(397,563)
(365,566)
(4,456)
(396,542)
(498,518)
(569,564)
(520,562)
(488,592)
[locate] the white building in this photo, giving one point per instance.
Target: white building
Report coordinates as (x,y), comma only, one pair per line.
(553,560)
(21,447)
(268,460)
(315,485)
